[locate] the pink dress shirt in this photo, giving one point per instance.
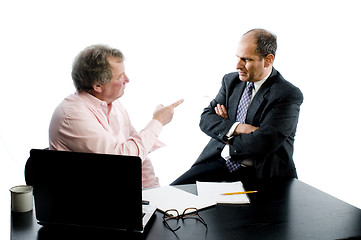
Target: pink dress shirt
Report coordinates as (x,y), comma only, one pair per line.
(83,123)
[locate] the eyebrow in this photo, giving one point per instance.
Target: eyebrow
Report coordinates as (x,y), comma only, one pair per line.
(244,58)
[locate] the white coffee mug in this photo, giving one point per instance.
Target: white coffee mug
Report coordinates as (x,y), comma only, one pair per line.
(21,198)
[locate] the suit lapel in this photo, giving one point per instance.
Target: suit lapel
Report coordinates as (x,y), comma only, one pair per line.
(256,103)
(259,98)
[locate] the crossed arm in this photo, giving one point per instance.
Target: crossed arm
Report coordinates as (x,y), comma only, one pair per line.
(242,128)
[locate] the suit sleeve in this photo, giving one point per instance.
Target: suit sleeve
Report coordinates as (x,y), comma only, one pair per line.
(213,125)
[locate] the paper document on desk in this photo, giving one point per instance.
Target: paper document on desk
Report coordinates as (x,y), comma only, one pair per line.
(214,190)
(168,197)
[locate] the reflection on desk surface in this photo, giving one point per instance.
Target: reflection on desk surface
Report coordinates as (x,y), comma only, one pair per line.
(280,210)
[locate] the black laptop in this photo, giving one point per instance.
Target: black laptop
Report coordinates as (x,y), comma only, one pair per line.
(88,189)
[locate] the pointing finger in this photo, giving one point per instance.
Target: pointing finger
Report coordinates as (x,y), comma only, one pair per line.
(177,103)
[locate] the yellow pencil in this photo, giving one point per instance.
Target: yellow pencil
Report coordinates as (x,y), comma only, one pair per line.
(234,193)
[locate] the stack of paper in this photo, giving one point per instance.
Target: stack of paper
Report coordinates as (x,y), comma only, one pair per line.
(213,191)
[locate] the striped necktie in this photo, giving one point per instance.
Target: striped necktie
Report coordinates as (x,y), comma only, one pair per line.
(244,102)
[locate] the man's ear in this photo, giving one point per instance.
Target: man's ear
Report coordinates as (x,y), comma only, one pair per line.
(97,88)
(268,60)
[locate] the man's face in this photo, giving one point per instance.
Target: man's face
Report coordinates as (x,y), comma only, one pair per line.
(115,88)
(251,67)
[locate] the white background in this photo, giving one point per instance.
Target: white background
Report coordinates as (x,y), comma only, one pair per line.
(182,49)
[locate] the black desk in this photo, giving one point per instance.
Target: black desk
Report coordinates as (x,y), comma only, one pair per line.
(281,210)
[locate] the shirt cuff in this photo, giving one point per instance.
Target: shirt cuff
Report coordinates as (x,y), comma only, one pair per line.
(225,152)
(156,126)
(231,130)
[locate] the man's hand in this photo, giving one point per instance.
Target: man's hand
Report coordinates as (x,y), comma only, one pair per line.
(221,111)
(244,128)
(165,114)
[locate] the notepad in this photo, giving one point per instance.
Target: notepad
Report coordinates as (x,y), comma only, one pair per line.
(168,197)
(213,191)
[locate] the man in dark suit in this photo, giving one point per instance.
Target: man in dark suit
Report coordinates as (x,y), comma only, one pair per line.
(259,145)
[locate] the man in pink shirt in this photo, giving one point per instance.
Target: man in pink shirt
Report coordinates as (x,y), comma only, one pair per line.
(93,119)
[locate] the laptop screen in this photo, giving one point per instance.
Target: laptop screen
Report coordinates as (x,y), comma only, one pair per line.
(87,189)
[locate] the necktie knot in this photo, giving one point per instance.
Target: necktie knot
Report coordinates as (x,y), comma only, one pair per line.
(250,85)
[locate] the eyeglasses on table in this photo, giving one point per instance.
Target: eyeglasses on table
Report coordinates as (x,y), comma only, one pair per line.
(188,213)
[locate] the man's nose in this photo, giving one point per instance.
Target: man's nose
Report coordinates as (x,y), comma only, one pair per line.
(126,79)
(240,63)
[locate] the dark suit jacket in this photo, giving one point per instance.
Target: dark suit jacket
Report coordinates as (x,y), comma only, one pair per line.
(274,109)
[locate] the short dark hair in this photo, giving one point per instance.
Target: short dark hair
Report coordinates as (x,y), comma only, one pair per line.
(91,66)
(265,40)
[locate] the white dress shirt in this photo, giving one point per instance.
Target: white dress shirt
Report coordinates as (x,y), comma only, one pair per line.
(83,123)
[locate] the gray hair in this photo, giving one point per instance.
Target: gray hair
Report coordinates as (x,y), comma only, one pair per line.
(265,40)
(91,66)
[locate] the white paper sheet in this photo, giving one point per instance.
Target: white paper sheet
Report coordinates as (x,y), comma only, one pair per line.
(168,197)
(213,191)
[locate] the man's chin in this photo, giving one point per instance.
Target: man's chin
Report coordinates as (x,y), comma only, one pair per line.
(243,79)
